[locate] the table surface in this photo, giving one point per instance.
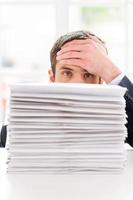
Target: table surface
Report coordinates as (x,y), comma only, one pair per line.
(67,187)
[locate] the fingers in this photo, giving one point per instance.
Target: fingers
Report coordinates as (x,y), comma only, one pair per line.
(75,45)
(70,55)
(81,46)
(89,40)
(99,43)
(99,46)
(77,42)
(94,38)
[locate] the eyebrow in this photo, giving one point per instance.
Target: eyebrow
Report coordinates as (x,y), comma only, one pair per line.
(67,68)
(84,70)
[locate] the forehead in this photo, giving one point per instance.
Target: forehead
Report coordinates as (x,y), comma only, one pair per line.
(73,68)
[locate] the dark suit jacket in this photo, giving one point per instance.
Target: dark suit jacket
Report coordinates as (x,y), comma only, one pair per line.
(125,82)
(3,135)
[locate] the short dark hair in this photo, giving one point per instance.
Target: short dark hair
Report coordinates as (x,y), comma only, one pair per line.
(80,35)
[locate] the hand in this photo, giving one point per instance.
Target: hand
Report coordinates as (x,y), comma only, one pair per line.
(91,55)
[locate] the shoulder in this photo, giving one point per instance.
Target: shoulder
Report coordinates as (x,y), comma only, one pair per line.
(125,82)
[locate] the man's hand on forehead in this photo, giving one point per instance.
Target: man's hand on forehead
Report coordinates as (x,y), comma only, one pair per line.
(89,54)
(82,43)
(86,53)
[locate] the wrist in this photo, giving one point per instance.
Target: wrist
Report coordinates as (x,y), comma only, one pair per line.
(110,72)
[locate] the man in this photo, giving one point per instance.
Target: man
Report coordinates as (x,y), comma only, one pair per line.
(81,57)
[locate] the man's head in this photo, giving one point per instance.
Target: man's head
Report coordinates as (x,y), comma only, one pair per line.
(71,73)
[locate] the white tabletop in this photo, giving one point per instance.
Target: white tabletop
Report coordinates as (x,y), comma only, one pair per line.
(67,187)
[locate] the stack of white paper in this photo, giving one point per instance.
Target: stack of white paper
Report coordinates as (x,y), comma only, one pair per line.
(61,128)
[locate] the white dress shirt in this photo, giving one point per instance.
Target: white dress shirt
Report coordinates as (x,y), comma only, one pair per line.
(117,80)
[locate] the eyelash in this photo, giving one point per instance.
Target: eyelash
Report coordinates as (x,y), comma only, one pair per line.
(88,75)
(69,74)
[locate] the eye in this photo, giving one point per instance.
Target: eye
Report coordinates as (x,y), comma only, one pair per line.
(88,76)
(67,73)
